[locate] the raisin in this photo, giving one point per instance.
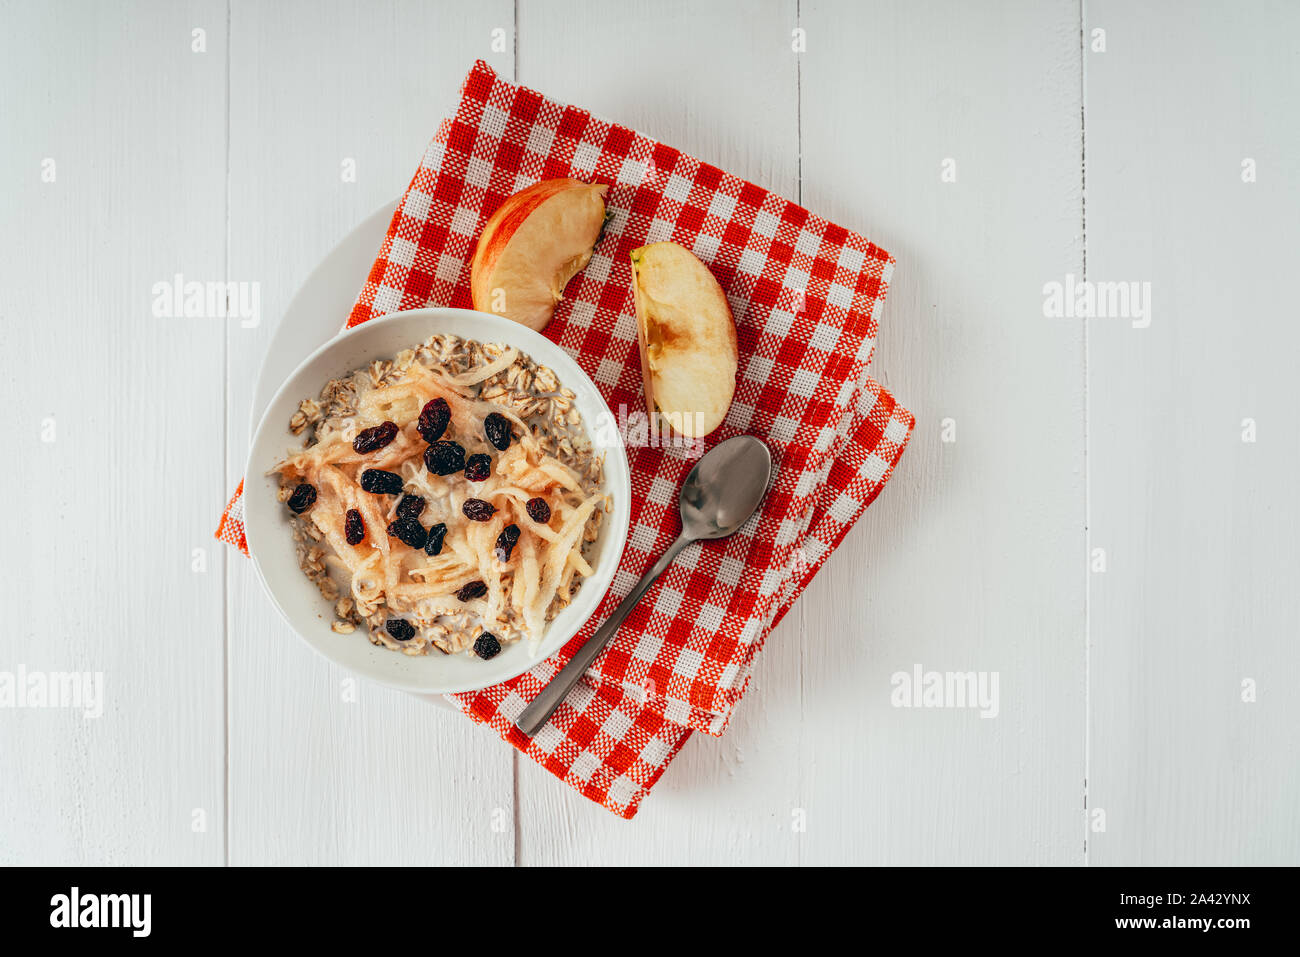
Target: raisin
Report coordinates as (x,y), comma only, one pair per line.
(303,497)
(443,458)
(433,545)
(472,590)
(380,482)
(486,646)
(477,510)
(353,527)
(400,628)
(506,543)
(538,510)
(478,467)
(497,429)
(410,506)
(433,420)
(409,531)
(370,440)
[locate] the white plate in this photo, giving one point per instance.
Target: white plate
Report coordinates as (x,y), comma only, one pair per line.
(270,541)
(320,307)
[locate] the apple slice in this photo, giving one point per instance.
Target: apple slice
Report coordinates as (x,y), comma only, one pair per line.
(687,338)
(538,240)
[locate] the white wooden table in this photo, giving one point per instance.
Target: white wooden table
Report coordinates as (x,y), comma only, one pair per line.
(1148,711)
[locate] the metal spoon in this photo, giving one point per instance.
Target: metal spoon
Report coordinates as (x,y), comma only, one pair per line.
(717,498)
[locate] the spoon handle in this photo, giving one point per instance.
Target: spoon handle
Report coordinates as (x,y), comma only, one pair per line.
(541,708)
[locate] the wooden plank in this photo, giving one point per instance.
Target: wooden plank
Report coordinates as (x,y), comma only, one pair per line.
(116,425)
(719,82)
(972,560)
(1199,524)
(316,778)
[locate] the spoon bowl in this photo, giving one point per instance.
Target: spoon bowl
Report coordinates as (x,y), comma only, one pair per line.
(724,488)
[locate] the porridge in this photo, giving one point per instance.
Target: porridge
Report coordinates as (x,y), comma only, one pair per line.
(446,499)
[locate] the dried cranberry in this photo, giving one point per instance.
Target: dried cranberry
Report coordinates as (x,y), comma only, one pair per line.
(486,646)
(443,458)
(409,531)
(477,510)
(433,545)
(497,429)
(538,510)
(369,440)
(353,527)
(400,628)
(472,590)
(433,420)
(410,506)
(478,468)
(303,497)
(506,543)
(380,482)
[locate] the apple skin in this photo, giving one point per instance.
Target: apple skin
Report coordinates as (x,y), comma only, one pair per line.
(530,248)
(687,339)
(505,222)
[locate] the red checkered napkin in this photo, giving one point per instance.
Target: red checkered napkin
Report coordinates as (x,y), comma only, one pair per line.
(804,293)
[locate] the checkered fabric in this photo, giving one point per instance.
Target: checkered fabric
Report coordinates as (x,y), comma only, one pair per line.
(804,293)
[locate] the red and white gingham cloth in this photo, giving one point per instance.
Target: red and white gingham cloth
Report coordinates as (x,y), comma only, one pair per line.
(804,293)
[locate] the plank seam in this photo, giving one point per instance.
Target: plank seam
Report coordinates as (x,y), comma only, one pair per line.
(1087,465)
(225,444)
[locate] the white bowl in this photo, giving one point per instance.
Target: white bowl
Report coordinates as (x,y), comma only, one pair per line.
(270,539)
